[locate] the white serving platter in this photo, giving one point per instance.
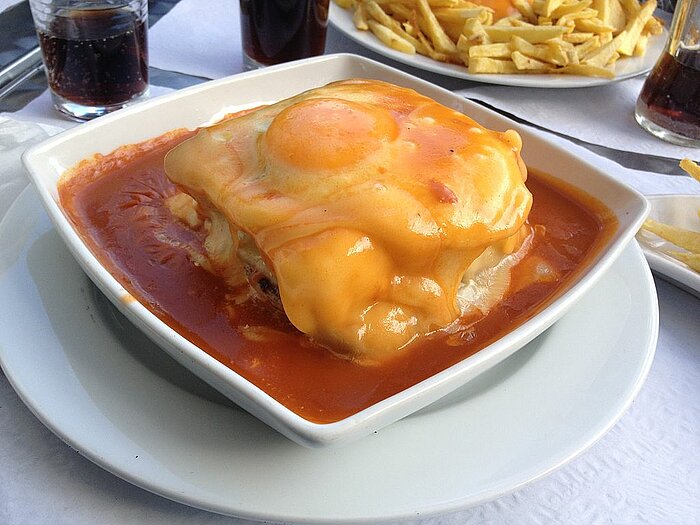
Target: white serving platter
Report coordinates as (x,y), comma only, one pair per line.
(117,399)
(199,104)
(624,69)
(676,210)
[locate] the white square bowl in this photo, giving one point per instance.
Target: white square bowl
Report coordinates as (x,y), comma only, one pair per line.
(204,103)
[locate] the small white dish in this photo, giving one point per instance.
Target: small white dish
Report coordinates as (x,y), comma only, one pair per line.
(193,106)
(624,69)
(676,210)
(99,384)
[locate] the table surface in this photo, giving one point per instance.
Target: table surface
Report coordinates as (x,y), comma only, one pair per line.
(645,470)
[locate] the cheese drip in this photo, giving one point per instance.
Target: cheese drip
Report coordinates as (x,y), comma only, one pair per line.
(367,202)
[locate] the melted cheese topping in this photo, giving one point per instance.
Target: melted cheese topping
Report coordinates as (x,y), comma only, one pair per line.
(368,203)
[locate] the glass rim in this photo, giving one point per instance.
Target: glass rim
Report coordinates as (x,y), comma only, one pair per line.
(50,8)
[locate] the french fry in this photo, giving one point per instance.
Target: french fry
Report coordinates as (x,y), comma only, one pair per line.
(692,260)
(630,7)
(691,168)
(401,12)
(611,13)
(434,31)
(587,48)
(390,38)
(593,25)
(686,239)
(491,65)
(640,48)
(460,14)
(549,52)
(473,34)
(549,6)
(634,27)
(571,55)
(617,17)
(454,58)
(508,21)
(570,19)
(525,63)
(375,11)
(430,3)
(526,10)
(653,27)
(601,56)
(606,37)
(502,50)
(452,19)
(533,34)
(561,52)
(359,17)
(577,38)
(571,7)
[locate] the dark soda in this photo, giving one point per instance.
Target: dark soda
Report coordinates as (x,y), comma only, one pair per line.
(670,97)
(96,56)
(276,31)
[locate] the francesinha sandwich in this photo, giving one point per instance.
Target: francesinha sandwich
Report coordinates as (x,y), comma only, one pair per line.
(372,215)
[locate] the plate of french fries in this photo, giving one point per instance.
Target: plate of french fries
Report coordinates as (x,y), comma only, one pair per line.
(670,237)
(530,43)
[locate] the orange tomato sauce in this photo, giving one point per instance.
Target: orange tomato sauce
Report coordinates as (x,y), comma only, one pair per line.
(116,203)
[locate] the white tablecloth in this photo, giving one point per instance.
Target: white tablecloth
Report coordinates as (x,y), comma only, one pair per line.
(645,470)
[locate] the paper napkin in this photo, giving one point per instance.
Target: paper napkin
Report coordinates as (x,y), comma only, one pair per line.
(198,38)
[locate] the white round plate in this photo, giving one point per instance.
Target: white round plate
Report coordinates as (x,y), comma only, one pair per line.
(624,69)
(676,210)
(117,399)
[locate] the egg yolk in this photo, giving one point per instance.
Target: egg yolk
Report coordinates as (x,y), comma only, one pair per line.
(502,8)
(328,134)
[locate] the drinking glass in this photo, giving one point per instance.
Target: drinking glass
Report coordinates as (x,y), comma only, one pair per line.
(669,103)
(276,31)
(95,53)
